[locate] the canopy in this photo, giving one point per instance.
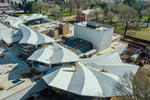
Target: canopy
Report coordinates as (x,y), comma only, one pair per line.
(111,58)
(54,54)
(87,80)
(33,37)
(6,35)
(14,21)
(35,16)
(23,17)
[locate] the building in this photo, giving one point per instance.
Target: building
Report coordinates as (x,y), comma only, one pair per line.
(54,29)
(98,34)
(16,80)
(88,14)
(77,45)
(4,7)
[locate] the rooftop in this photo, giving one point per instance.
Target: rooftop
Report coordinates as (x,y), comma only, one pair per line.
(2,26)
(4,4)
(15,76)
(14,81)
(76,45)
(90,11)
(44,27)
(94,25)
(114,47)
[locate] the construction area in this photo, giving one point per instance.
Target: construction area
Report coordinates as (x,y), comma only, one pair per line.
(138,52)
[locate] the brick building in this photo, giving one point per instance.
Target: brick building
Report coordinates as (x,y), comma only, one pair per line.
(88,14)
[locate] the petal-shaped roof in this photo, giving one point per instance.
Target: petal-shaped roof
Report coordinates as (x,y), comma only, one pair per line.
(88,81)
(14,21)
(35,16)
(106,59)
(53,55)
(33,37)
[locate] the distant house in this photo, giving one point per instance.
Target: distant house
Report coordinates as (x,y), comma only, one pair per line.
(4,1)
(88,14)
(4,7)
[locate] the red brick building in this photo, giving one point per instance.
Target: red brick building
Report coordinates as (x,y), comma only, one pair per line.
(87,14)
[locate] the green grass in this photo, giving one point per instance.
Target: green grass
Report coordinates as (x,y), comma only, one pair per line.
(144,19)
(142,32)
(52,17)
(24,14)
(66,12)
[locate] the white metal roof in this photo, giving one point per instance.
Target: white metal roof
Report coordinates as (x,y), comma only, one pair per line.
(35,16)
(53,55)
(14,21)
(33,37)
(90,11)
(6,35)
(23,17)
(111,58)
(88,81)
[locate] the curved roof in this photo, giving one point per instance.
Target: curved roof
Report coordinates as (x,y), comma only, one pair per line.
(88,81)
(6,35)
(14,21)
(53,55)
(35,16)
(33,37)
(111,58)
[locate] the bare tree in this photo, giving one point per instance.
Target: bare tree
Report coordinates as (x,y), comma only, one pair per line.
(38,6)
(71,5)
(54,9)
(79,3)
(124,86)
(140,90)
(127,13)
(147,12)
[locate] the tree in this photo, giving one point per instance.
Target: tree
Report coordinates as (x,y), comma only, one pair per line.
(139,85)
(110,16)
(79,3)
(54,9)
(147,12)
(130,3)
(71,5)
(124,87)
(127,13)
(111,12)
(56,13)
(139,7)
(28,7)
(38,7)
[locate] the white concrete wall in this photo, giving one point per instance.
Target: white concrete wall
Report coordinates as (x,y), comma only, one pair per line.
(121,50)
(100,39)
(71,29)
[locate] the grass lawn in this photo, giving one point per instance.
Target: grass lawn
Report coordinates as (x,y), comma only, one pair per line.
(66,12)
(142,32)
(24,14)
(144,19)
(52,17)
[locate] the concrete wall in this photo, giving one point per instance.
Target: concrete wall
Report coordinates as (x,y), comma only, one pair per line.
(100,39)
